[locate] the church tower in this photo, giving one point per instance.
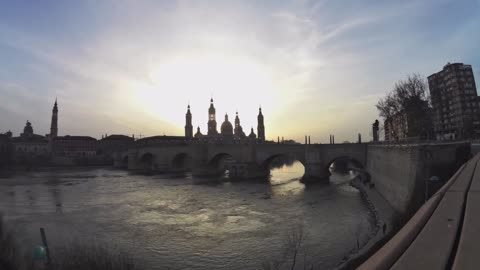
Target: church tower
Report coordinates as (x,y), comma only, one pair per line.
(212,124)
(188,124)
(239,134)
(54,124)
(260,126)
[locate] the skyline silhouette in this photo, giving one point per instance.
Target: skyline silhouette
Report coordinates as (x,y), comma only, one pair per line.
(316,68)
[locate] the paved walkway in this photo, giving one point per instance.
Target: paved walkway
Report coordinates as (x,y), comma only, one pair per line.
(445,231)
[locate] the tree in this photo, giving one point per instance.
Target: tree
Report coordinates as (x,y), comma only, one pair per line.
(408,104)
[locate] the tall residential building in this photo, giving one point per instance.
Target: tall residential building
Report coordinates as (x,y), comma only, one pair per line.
(456,113)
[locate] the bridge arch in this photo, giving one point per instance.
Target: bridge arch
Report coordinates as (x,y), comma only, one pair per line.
(345,162)
(216,160)
(266,163)
(270,166)
(223,162)
(181,162)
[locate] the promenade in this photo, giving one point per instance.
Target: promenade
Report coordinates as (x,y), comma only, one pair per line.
(445,231)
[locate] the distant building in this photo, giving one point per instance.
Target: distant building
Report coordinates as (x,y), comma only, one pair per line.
(29,146)
(74,146)
(188,124)
(396,127)
(456,113)
(6,150)
(228,132)
(154,140)
(54,123)
(112,143)
(260,126)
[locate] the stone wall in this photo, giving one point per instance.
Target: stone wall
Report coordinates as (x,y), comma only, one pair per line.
(400,172)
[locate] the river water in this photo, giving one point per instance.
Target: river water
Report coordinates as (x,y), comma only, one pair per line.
(179,222)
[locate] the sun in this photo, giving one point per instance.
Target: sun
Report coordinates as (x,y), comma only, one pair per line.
(235,81)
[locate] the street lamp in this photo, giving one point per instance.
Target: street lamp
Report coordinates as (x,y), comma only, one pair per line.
(432,179)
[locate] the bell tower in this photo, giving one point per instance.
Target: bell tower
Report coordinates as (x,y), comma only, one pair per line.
(188,124)
(212,123)
(260,126)
(54,124)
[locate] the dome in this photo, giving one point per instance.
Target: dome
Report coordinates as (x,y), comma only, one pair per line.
(28,130)
(252,134)
(198,134)
(226,128)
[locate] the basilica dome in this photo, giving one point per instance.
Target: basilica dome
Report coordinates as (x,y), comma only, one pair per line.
(226,128)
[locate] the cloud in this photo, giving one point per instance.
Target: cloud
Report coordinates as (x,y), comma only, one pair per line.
(315,66)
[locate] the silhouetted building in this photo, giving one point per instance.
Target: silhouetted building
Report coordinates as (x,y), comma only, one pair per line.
(188,124)
(375,129)
(228,132)
(226,129)
(54,123)
(29,145)
(6,151)
(252,135)
(199,134)
(455,103)
(212,123)
(238,132)
(74,146)
(161,140)
(112,143)
(261,126)
(409,124)
(396,127)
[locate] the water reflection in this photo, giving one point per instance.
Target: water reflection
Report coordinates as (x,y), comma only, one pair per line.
(169,221)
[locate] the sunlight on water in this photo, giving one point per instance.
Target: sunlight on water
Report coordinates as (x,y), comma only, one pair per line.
(180,222)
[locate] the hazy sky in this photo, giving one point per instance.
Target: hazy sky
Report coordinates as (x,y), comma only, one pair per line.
(316,67)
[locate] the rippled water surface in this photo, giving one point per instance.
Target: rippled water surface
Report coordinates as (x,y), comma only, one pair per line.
(186,223)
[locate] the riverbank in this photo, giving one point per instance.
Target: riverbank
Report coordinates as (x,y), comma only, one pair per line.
(386,223)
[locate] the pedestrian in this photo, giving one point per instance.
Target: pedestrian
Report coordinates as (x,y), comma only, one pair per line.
(384,228)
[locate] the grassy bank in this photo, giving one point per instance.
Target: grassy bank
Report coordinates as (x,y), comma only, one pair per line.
(72,257)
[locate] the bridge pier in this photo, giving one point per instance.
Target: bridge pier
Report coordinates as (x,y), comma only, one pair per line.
(315,172)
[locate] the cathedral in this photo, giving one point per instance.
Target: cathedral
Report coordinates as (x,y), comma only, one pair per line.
(227,131)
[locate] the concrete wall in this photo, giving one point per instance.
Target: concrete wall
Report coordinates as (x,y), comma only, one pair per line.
(399,172)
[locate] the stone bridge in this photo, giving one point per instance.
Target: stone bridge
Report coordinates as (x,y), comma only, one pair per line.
(244,160)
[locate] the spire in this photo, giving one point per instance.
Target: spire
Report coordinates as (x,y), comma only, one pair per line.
(54,122)
(188,124)
(212,123)
(260,125)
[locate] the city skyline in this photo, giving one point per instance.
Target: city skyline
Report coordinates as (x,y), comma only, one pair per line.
(315,68)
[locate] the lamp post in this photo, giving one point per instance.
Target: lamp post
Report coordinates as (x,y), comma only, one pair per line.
(432,179)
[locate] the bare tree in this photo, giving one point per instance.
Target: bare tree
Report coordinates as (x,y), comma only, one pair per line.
(408,99)
(294,248)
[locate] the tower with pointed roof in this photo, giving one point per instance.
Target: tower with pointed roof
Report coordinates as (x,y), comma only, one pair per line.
(188,124)
(54,123)
(212,123)
(260,125)
(239,134)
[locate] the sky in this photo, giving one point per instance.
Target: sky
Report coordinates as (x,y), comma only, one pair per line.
(131,67)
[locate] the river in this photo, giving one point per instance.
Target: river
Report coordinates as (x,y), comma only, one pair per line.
(179,222)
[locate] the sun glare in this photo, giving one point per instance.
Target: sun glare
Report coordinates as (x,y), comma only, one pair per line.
(232,81)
